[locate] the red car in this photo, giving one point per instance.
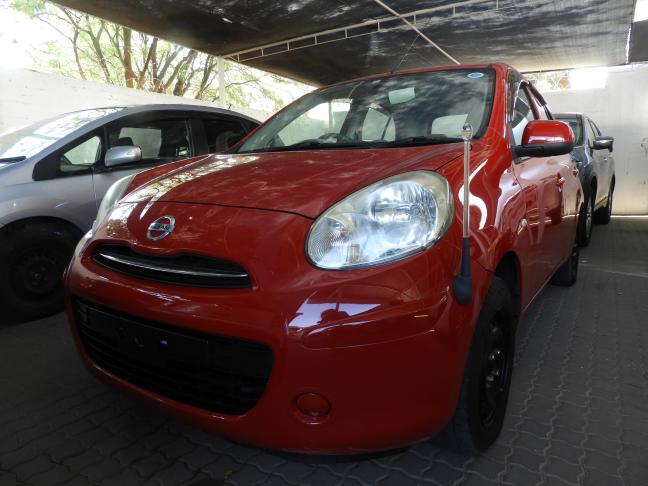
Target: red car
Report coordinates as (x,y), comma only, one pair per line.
(312,290)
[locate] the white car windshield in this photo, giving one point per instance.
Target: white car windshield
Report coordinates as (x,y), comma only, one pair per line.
(391,111)
(27,141)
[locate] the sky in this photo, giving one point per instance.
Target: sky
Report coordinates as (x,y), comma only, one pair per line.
(19,36)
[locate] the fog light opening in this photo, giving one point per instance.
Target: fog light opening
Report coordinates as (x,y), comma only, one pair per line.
(313,405)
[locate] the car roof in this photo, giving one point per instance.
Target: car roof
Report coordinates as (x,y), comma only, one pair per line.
(132,109)
(123,111)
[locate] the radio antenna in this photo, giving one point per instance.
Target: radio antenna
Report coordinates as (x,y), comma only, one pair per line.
(462,284)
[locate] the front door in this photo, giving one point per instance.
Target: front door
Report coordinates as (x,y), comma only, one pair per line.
(540,180)
(602,160)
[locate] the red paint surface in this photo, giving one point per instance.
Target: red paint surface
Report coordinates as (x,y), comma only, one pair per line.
(385,346)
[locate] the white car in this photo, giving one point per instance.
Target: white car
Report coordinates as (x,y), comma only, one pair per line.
(53,175)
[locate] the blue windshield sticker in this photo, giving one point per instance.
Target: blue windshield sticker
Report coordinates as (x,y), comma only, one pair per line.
(476,75)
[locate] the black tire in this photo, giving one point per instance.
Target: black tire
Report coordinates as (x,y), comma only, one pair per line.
(604,214)
(33,257)
(567,273)
(586,221)
(479,416)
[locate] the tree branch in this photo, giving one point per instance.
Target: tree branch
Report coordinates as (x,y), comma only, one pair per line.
(94,37)
(149,57)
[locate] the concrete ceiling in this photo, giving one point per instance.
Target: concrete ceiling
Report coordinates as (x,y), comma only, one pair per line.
(323,41)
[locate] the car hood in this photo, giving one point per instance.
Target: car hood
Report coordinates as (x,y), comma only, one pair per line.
(301,182)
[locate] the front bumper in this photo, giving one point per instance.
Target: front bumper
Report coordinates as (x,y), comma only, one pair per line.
(384,346)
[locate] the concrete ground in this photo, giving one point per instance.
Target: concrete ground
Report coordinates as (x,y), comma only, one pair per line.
(578,412)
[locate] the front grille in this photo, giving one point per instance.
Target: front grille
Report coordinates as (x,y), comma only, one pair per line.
(187,270)
(215,373)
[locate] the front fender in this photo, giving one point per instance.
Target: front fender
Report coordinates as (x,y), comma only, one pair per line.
(21,208)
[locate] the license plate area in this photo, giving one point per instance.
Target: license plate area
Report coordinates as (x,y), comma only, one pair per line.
(143,343)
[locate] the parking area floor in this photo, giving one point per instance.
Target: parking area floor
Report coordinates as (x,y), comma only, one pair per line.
(578,411)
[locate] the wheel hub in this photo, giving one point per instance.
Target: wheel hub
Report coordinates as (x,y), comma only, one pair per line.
(37,274)
(495,370)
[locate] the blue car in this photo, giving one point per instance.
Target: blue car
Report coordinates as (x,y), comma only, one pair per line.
(593,155)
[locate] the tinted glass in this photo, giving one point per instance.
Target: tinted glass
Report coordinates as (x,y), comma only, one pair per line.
(160,141)
(320,120)
(540,108)
(30,140)
(81,157)
(590,134)
(429,107)
(597,132)
(222,134)
(522,115)
(378,125)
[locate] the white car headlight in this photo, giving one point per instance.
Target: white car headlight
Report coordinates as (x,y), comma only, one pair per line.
(109,201)
(383,222)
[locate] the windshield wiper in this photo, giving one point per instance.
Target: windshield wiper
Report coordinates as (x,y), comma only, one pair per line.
(401,142)
(422,140)
(12,159)
(312,144)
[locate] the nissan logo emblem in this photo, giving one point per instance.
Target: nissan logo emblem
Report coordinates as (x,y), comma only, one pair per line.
(160,228)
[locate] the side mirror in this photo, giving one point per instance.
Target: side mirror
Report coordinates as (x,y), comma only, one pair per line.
(544,138)
(121,155)
(601,143)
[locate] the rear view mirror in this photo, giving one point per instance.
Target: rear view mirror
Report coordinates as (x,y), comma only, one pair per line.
(121,155)
(545,138)
(601,143)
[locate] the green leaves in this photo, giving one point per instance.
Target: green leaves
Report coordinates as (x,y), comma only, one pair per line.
(91,48)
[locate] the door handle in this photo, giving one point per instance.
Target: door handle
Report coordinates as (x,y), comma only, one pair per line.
(560,181)
(575,171)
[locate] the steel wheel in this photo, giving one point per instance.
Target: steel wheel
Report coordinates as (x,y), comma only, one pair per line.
(38,273)
(480,412)
(33,257)
(496,367)
(589,218)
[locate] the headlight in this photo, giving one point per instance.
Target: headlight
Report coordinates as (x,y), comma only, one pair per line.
(383,222)
(109,201)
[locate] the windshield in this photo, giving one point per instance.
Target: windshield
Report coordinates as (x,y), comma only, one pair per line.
(30,140)
(576,125)
(398,110)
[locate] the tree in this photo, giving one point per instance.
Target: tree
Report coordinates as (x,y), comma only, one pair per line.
(94,49)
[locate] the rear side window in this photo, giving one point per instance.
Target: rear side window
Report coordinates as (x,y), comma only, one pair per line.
(222,133)
(160,141)
(522,114)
